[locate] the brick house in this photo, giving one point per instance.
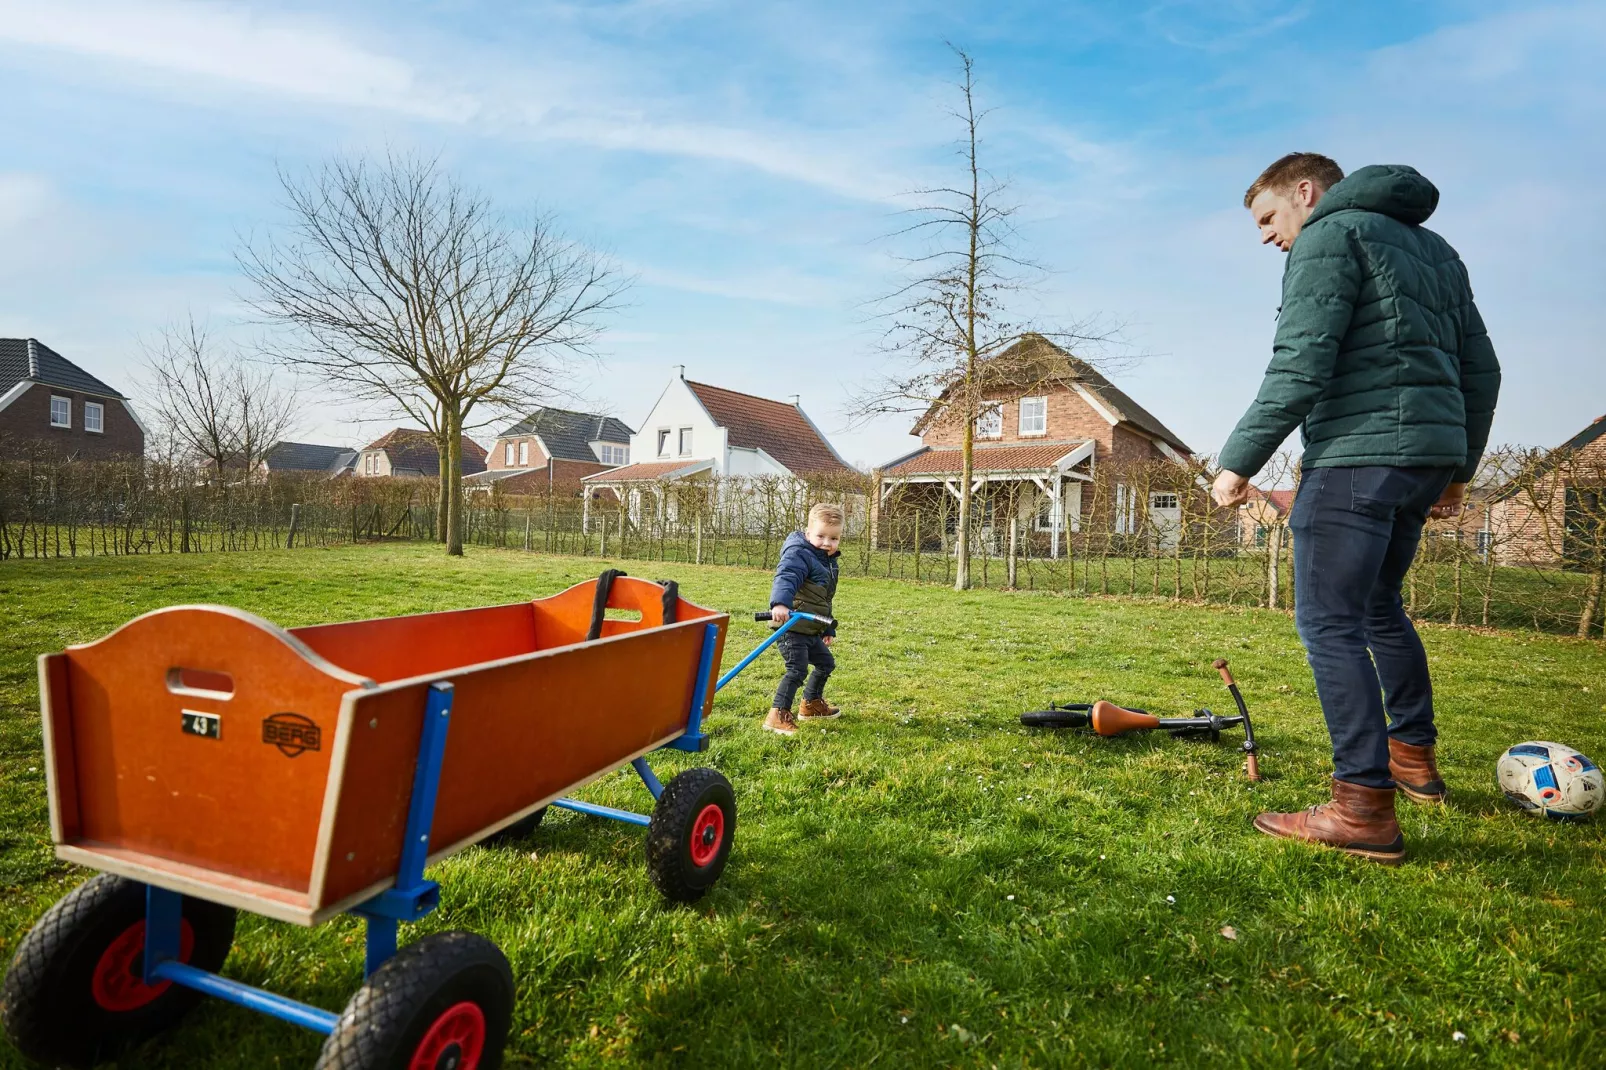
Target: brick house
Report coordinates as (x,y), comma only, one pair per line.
(1047,422)
(1265,510)
(552,450)
(1550,517)
(49,404)
(697,432)
(408,452)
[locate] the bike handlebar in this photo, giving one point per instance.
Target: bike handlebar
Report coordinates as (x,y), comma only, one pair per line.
(765,615)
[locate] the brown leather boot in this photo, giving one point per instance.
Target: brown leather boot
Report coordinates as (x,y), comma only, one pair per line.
(1415,773)
(781,721)
(1359,821)
(817,709)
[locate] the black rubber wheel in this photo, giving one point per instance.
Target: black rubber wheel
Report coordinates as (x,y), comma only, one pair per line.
(693,827)
(442,1003)
(74,995)
(522,829)
(1074,716)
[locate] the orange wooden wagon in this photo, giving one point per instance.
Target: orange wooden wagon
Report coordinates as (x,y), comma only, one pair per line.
(206,760)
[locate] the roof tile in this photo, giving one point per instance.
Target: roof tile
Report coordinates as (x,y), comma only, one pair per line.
(779,429)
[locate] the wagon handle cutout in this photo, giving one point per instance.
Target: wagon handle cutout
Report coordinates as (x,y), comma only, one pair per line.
(200,683)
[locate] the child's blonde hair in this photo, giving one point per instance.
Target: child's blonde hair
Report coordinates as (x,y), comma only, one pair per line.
(826,513)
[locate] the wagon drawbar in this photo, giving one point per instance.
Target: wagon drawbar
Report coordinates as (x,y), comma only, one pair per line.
(207,761)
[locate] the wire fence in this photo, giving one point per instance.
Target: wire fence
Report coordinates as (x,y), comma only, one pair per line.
(1145,531)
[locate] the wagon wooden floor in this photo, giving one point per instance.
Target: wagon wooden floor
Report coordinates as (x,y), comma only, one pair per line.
(923,882)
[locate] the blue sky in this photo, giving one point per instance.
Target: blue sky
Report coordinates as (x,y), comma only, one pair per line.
(745,160)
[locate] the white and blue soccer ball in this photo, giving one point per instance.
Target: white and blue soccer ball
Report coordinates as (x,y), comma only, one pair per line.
(1551,780)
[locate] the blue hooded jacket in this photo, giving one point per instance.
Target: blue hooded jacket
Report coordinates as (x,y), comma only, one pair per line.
(805,579)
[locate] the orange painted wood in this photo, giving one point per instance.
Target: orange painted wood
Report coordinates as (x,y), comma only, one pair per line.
(60,753)
(521,733)
(536,713)
(234,804)
(396,648)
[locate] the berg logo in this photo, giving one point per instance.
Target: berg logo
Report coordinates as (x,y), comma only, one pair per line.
(291,733)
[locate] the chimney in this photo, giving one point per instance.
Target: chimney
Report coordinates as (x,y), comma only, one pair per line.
(797,400)
(681,369)
(33,359)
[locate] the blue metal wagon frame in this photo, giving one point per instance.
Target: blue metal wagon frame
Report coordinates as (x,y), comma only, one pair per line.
(413,896)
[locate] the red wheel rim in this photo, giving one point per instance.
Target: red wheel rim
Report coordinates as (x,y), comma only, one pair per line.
(118,983)
(454,1042)
(707,833)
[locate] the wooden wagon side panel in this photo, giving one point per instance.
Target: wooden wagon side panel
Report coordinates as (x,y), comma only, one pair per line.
(400,648)
(522,732)
(195,738)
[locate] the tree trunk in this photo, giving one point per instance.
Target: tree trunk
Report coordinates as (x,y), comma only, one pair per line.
(443,500)
(452,477)
(962,533)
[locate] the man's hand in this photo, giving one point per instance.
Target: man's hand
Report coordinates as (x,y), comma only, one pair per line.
(1230,489)
(829,639)
(1450,503)
(779,613)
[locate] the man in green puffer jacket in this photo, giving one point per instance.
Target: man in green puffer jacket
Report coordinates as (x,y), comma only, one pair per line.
(1382,361)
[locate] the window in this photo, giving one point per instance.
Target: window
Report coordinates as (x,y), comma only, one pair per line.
(507,455)
(94,417)
(60,411)
(990,424)
(1162,501)
(615,454)
(524,454)
(1034,416)
(685,442)
(1125,502)
(1044,520)
(663,442)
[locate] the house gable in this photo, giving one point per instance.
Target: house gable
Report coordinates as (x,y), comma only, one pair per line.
(48,402)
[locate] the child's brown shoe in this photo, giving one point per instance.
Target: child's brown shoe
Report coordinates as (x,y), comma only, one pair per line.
(781,722)
(816,709)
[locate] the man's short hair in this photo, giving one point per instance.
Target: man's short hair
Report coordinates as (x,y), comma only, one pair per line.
(1288,172)
(827,514)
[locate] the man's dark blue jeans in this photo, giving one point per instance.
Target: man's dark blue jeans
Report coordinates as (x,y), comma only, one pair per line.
(1355,533)
(799,652)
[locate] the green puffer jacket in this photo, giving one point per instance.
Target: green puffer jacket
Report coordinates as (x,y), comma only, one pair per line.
(1380,355)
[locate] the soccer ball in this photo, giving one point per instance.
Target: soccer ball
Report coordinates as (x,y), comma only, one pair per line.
(1550,779)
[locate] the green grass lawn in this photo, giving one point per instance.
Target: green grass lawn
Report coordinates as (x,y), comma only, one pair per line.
(924,882)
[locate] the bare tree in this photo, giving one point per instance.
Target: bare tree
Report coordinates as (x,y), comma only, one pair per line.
(400,286)
(212,404)
(952,339)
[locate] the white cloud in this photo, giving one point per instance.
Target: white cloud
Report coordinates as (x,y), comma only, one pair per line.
(299,58)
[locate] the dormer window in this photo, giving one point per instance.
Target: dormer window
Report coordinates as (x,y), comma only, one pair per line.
(1033,416)
(60,411)
(615,454)
(990,424)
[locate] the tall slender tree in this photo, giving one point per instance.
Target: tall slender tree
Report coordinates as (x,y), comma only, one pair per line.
(954,321)
(399,285)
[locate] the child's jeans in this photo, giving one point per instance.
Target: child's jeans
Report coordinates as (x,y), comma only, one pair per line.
(799,652)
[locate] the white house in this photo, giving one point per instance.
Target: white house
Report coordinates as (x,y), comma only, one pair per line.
(699,432)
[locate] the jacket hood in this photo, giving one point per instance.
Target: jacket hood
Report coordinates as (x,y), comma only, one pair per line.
(1390,189)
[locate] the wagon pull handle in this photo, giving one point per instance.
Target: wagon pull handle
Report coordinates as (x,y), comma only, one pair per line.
(599,602)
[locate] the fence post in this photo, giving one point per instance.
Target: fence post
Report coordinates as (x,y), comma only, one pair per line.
(1014,543)
(184,514)
(528,518)
(699,551)
(602,549)
(295,522)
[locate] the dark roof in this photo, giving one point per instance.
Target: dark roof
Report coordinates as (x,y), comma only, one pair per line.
(306,457)
(412,450)
(1034,360)
(779,429)
(1596,428)
(29,358)
(568,435)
